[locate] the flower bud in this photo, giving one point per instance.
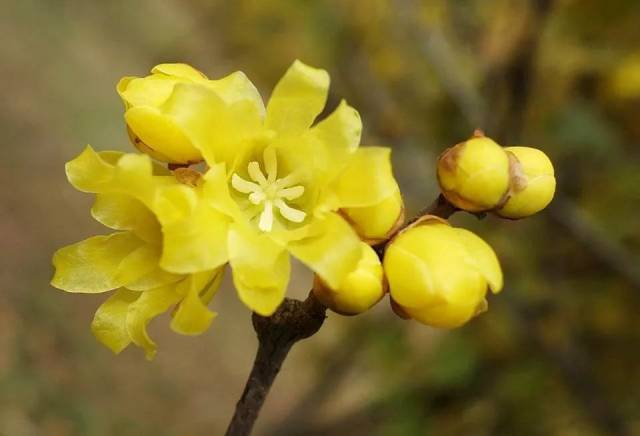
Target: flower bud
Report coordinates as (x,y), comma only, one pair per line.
(150,130)
(532,183)
(474,175)
(438,274)
(360,290)
(376,223)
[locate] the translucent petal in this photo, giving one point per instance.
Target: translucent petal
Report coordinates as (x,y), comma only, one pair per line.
(260,269)
(137,264)
(182,71)
(237,87)
(367,179)
(192,316)
(109,324)
(149,305)
(339,134)
(123,212)
(195,234)
(91,266)
(219,130)
(297,99)
(332,251)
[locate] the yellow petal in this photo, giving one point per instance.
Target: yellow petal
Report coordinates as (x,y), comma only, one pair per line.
(215,128)
(340,133)
(236,87)
(367,179)
(332,251)
(195,234)
(149,305)
(109,324)
(215,190)
(155,278)
(149,91)
(297,99)
(484,257)
(192,316)
(375,223)
(160,133)
(260,269)
(137,264)
(123,212)
(90,171)
(179,70)
(91,266)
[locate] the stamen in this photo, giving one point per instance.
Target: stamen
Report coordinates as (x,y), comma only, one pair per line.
(242,185)
(266,217)
(256,174)
(257,197)
(291,193)
(295,215)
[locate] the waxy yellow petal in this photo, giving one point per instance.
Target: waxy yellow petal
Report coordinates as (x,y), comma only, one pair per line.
(332,251)
(193,317)
(297,99)
(149,305)
(484,257)
(109,324)
(92,266)
(339,134)
(367,179)
(123,212)
(260,269)
(195,234)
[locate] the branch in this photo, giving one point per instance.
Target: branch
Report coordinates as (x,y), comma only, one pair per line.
(294,320)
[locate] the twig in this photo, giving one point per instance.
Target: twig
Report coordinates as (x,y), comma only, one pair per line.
(294,320)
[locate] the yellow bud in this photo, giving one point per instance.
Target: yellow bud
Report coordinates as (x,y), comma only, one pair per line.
(360,290)
(150,129)
(474,175)
(533,183)
(438,274)
(376,223)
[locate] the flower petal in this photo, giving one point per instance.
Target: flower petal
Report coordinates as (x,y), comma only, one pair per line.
(339,134)
(192,316)
(91,266)
(367,179)
(260,269)
(297,99)
(109,324)
(216,128)
(180,70)
(332,251)
(484,257)
(123,212)
(149,305)
(195,234)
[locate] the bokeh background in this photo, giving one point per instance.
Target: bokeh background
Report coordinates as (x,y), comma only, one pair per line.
(558,353)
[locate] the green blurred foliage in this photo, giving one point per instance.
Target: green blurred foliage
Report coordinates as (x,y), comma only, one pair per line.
(557,353)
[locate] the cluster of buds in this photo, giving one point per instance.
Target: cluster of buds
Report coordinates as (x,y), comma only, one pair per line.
(437,274)
(479,175)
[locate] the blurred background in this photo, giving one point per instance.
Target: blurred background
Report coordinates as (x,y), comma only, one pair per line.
(558,353)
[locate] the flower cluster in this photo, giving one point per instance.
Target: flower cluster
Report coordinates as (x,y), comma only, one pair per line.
(277,182)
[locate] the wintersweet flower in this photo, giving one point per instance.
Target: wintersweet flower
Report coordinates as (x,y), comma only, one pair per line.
(361,289)
(127,261)
(277,179)
(377,223)
(438,274)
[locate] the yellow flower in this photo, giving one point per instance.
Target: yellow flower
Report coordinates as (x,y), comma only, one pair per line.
(438,274)
(533,183)
(148,99)
(127,260)
(275,183)
(474,175)
(359,291)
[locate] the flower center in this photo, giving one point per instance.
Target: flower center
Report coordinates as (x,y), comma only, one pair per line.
(269,191)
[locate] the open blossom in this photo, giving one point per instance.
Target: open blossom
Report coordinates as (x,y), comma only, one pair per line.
(277,184)
(128,260)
